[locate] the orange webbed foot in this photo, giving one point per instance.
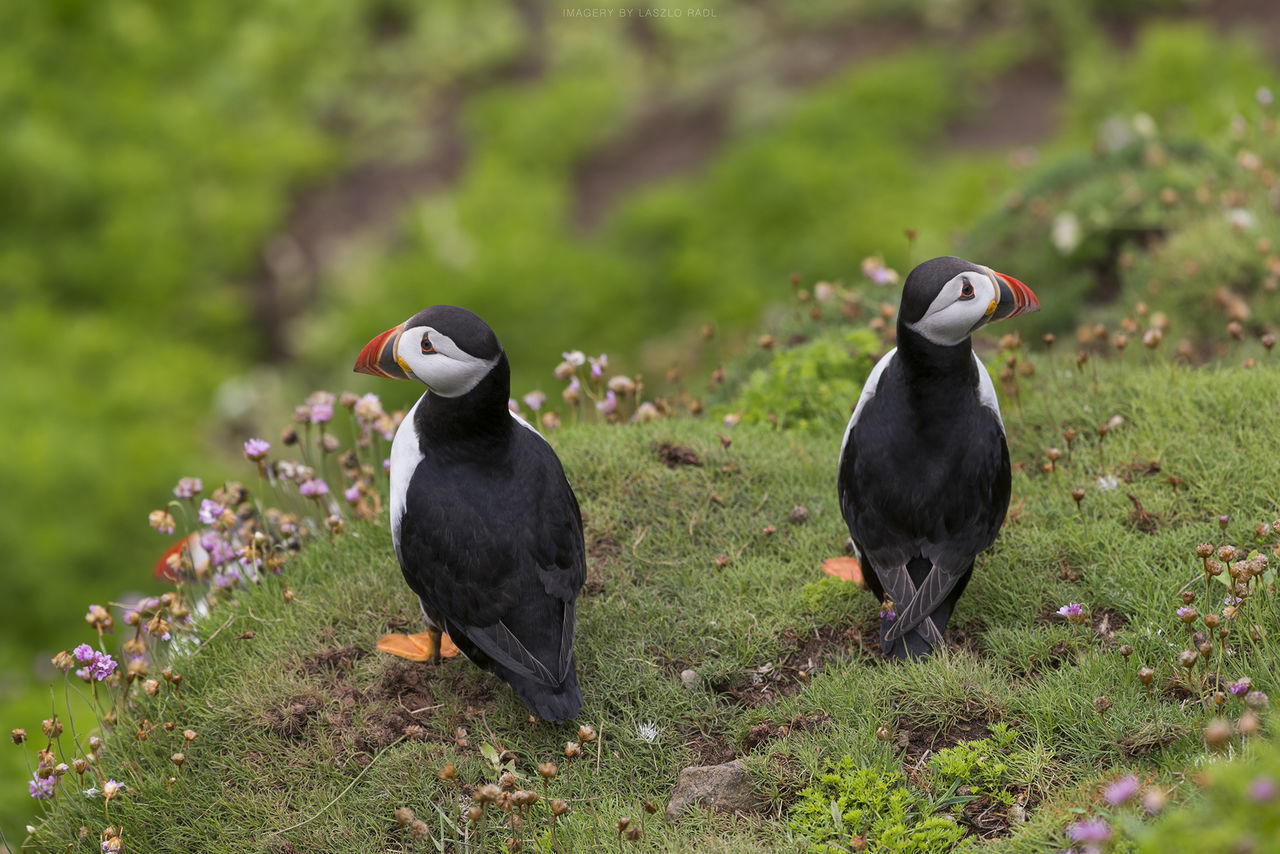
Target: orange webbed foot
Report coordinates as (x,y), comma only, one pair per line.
(845,568)
(419,647)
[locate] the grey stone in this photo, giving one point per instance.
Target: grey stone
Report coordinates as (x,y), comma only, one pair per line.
(690,678)
(725,788)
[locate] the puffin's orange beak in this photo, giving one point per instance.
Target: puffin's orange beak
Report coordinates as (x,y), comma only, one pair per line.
(378,358)
(1015,298)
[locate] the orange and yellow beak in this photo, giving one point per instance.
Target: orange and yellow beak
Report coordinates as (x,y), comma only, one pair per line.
(378,358)
(1015,298)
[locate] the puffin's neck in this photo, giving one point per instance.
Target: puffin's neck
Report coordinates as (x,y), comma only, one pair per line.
(480,416)
(929,364)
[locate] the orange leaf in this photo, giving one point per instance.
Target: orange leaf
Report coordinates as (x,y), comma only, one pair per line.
(846,569)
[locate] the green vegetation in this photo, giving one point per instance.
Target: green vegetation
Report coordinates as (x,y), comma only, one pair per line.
(871,805)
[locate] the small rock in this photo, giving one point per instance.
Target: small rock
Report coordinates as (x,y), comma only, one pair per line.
(690,679)
(799,515)
(725,788)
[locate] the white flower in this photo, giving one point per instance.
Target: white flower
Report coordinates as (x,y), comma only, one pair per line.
(1106,483)
(575,357)
(1066,232)
(648,732)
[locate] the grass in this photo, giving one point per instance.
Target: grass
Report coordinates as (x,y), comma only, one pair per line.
(300,726)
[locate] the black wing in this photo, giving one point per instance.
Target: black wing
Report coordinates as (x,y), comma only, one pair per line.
(499,558)
(907,492)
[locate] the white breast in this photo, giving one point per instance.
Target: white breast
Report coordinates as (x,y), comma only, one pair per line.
(986,391)
(868,392)
(405,456)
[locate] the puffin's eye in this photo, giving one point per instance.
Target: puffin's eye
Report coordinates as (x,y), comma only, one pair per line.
(966,290)
(427,347)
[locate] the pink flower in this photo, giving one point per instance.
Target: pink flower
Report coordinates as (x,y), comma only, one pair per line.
(1122,790)
(84,653)
(534,400)
(210,511)
(188,488)
(609,404)
(321,413)
(1262,789)
(352,494)
(41,788)
(314,487)
(256,449)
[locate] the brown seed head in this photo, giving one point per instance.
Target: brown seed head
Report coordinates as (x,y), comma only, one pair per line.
(1212,620)
(623,824)
(487,794)
(189,734)
(1188,658)
(1145,675)
(1101,705)
(1217,733)
(474,813)
(1125,650)
(559,807)
(586,734)
(883,733)
(418,831)
(1204,550)
(507,781)
(548,770)
(1188,597)
(633,834)
(448,772)
(18,736)
(1249,723)
(1077,495)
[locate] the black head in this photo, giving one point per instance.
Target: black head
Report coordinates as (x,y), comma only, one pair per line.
(448,349)
(947,299)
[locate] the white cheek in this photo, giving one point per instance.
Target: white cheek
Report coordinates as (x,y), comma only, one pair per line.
(452,377)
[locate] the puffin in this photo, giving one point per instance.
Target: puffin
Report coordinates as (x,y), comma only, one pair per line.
(923,476)
(484,522)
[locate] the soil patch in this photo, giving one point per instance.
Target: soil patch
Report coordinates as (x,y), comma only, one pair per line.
(772,730)
(801,657)
(291,720)
(333,660)
(676,455)
(710,748)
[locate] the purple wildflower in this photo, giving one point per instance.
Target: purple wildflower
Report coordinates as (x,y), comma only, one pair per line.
(84,653)
(1185,610)
(1091,831)
(1074,609)
(598,364)
(226,578)
(534,400)
(314,487)
(188,488)
(1240,687)
(352,494)
(887,613)
(1262,789)
(386,464)
(256,449)
(1231,601)
(210,511)
(1122,790)
(41,788)
(609,404)
(321,413)
(102,667)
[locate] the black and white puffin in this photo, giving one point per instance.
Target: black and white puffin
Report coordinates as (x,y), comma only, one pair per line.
(484,522)
(923,478)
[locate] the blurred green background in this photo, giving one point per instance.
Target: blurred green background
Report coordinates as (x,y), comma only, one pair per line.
(208,209)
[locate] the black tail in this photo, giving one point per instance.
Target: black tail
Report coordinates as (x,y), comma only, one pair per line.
(557,704)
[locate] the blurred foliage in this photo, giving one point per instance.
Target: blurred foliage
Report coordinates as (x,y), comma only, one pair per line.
(1177,199)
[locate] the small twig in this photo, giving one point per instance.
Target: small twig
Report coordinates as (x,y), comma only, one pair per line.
(212,636)
(338,796)
(599,745)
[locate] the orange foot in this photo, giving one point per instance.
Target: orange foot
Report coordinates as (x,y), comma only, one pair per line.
(416,647)
(845,568)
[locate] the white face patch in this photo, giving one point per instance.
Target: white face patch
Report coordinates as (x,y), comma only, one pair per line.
(447,370)
(964,304)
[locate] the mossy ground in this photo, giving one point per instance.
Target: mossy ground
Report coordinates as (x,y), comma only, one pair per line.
(300,724)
